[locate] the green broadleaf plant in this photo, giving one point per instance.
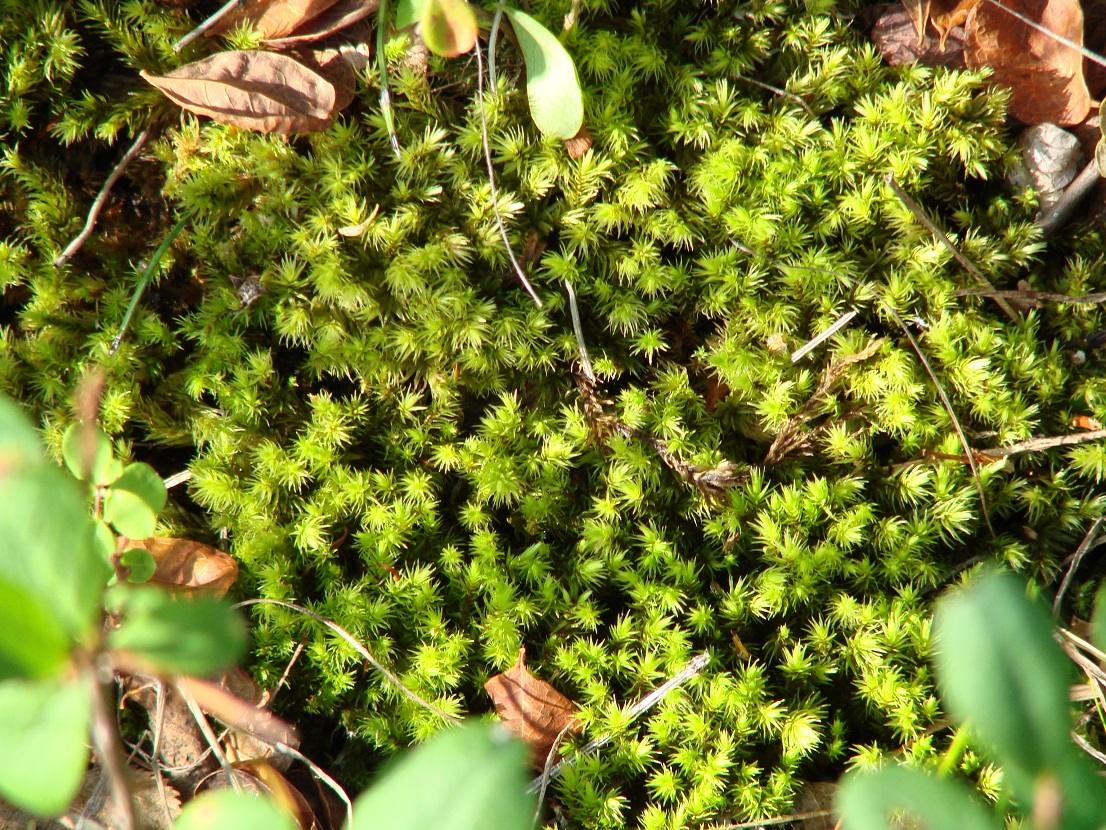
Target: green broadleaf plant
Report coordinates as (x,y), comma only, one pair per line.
(449,29)
(1000,671)
(552,86)
(471,777)
(53,577)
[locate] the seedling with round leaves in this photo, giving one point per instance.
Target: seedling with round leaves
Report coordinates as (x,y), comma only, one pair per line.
(54,642)
(126,498)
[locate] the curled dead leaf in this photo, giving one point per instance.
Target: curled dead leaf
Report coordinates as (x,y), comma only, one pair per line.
(1045,76)
(272,18)
(531,708)
(260,91)
(188,565)
(332,65)
(579,143)
(341,15)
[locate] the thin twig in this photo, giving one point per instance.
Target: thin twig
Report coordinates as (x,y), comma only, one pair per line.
(1073,194)
(360,649)
(144,280)
(585,361)
(177,479)
(105,739)
(1046,443)
(319,773)
(814,343)
(493,37)
(781,92)
(968,265)
(572,724)
(382,68)
(101,199)
(1080,552)
(771,822)
(695,665)
(209,734)
(491,178)
(1034,296)
(945,402)
(287,670)
(210,23)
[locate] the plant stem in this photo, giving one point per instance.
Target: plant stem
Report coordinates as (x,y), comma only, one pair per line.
(144,280)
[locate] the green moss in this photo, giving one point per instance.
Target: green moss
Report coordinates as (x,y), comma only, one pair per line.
(391,433)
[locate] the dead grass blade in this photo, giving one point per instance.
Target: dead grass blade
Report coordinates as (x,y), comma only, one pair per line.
(491,180)
(360,649)
(101,199)
(967,264)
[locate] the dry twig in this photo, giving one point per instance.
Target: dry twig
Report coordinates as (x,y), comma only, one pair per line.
(695,665)
(360,649)
(101,199)
(968,265)
(1046,443)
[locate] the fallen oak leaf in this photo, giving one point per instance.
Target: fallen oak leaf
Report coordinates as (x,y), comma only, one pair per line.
(1045,76)
(261,91)
(272,18)
(532,709)
(341,15)
(185,564)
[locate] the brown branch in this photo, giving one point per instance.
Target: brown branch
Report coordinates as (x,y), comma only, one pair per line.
(920,214)
(1033,296)
(101,199)
(1047,443)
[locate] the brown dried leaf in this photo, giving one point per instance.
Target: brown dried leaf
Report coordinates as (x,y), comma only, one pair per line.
(579,143)
(260,778)
(1045,77)
(272,18)
(531,708)
(918,12)
(260,91)
(342,14)
(948,16)
(332,65)
(896,38)
(182,563)
(237,713)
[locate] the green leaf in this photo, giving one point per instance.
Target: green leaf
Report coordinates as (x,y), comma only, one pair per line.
(103,541)
(48,545)
(228,809)
(129,514)
(134,500)
(1098,619)
(43,743)
(87,453)
(471,777)
(32,640)
(866,801)
(556,101)
(142,480)
(448,27)
(1000,669)
(199,635)
(20,445)
(409,12)
(139,563)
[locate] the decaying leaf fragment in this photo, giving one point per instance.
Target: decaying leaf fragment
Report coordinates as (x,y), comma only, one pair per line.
(341,15)
(188,565)
(1045,77)
(261,91)
(531,708)
(272,18)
